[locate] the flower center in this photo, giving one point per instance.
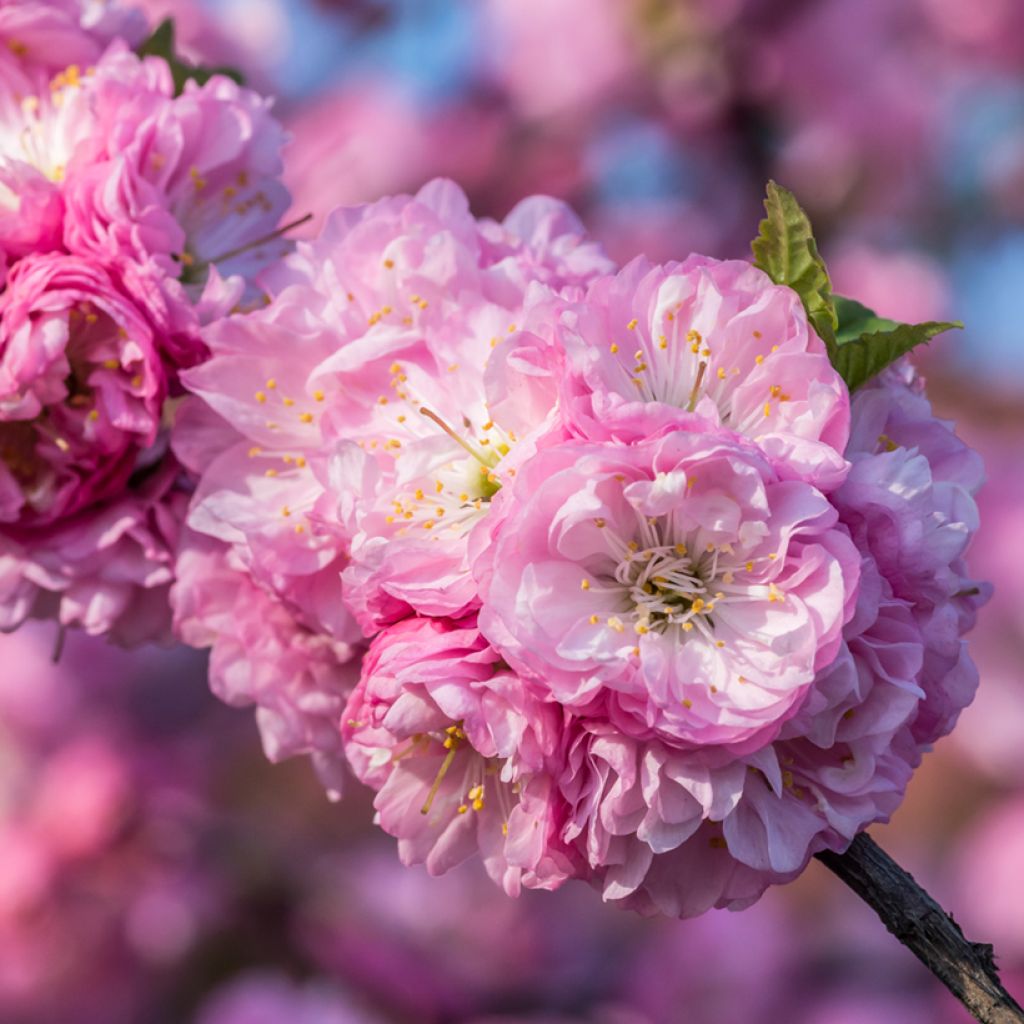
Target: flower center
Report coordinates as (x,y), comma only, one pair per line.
(480,784)
(666,584)
(18,451)
(679,367)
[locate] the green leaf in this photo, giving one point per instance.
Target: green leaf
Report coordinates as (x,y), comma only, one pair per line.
(161,44)
(856,319)
(859,359)
(786,251)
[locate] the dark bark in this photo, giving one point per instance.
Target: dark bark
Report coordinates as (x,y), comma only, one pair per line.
(966,968)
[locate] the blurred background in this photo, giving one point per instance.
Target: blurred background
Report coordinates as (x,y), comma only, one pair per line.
(154,869)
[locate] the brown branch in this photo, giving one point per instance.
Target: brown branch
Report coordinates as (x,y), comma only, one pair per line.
(966,968)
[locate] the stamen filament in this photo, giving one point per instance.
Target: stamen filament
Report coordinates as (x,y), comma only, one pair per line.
(441,773)
(455,437)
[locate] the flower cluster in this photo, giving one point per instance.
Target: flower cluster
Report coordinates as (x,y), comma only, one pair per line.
(649,600)
(130,215)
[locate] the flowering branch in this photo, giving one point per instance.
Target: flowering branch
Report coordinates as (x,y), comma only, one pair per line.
(966,968)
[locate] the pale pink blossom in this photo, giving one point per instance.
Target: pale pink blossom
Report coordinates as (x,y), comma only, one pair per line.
(261,654)
(42,37)
(673,826)
(700,344)
(679,580)
(261,461)
(369,365)
(648,605)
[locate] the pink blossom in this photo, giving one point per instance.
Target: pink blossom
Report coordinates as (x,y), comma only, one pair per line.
(698,344)
(681,580)
(670,620)
(81,388)
(262,654)
(157,187)
(391,312)
(909,502)
(106,570)
(171,184)
(263,463)
(666,828)
(456,747)
(675,821)
(41,37)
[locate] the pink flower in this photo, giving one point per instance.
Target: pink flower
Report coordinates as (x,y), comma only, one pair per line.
(263,655)
(456,746)
(173,184)
(81,389)
(745,686)
(669,620)
(666,828)
(262,464)
(698,344)
(674,820)
(155,186)
(679,580)
(909,502)
(328,369)
(106,570)
(41,37)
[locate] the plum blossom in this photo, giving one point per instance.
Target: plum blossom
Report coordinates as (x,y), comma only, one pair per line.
(704,340)
(129,217)
(456,747)
(373,346)
(677,828)
(107,570)
(649,602)
(297,677)
(680,579)
(81,389)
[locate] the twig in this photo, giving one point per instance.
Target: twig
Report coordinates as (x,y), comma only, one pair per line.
(966,968)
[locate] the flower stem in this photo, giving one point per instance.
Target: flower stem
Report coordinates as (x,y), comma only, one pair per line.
(966,968)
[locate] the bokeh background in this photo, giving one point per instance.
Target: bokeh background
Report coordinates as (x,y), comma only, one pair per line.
(154,869)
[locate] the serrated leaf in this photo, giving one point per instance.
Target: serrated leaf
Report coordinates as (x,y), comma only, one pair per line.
(862,358)
(786,251)
(162,44)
